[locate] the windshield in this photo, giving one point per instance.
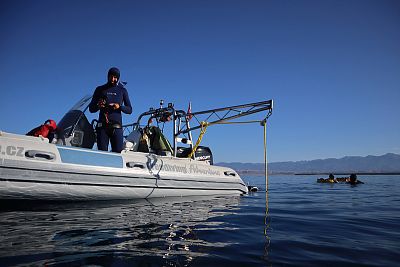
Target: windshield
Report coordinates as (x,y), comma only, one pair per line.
(71,118)
(74,129)
(82,104)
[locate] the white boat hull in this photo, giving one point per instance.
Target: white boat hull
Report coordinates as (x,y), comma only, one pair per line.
(31,168)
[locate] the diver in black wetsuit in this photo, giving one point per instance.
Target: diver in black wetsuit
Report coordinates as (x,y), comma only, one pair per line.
(353,180)
(111,99)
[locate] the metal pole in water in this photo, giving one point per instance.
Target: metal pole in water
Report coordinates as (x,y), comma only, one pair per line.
(266,218)
(264,123)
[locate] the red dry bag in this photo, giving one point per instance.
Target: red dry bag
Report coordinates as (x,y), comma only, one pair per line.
(44,129)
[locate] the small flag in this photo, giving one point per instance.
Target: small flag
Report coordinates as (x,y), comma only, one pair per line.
(189,112)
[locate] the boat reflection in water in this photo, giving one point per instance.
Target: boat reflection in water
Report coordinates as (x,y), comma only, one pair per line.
(170,231)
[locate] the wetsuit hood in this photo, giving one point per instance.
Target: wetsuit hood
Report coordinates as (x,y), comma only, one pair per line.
(114,71)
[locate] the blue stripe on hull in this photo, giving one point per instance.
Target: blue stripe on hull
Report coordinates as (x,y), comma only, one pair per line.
(91,158)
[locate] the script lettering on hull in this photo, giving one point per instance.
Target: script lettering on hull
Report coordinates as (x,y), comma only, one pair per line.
(191,169)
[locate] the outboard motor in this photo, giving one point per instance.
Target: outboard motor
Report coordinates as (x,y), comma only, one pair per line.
(203,153)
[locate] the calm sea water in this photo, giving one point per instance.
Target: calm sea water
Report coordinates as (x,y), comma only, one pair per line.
(307,224)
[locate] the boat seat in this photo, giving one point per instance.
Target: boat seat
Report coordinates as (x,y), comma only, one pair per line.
(153,141)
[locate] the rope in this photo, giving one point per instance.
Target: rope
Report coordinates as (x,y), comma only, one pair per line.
(203,125)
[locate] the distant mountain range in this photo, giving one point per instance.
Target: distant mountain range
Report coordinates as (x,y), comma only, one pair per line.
(388,163)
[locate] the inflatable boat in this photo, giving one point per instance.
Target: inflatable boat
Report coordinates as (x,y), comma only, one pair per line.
(67,165)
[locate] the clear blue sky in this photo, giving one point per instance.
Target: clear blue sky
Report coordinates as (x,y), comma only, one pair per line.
(332,67)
